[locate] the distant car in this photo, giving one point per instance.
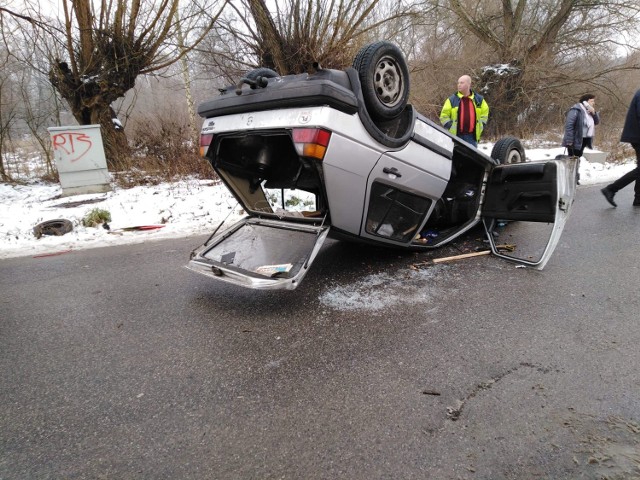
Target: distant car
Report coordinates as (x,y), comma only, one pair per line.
(343,153)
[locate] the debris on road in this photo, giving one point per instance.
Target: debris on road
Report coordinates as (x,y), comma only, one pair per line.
(137,228)
(505,248)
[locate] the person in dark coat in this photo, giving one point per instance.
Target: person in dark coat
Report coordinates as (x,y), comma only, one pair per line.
(579,128)
(630,134)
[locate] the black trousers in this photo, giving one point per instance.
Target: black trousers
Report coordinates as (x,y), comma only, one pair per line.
(632,176)
(577,152)
(587,142)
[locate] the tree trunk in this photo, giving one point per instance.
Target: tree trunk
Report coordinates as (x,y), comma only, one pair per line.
(116,147)
(504,92)
(184,64)
(90,105)
(3,173)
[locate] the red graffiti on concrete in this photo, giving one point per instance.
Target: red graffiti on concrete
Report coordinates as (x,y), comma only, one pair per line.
(74,145)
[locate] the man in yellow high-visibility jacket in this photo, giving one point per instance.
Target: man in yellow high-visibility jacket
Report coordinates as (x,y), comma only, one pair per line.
(465,113)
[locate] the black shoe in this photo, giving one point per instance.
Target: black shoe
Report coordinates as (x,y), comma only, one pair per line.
(608,194)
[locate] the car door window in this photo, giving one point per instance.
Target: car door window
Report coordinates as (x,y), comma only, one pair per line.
(395,214)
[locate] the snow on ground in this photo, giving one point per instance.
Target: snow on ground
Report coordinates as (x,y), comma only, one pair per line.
(182,209)
(185,208)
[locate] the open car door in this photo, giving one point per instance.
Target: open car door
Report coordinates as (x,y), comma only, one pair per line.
(526,206)
(259,253)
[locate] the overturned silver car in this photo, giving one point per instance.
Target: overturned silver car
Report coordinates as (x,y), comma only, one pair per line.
(342,153)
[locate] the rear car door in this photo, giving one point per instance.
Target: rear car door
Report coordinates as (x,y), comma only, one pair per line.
(402,188)
(526,206)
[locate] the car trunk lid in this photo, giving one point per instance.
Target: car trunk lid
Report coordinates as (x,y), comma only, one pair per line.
(260,253)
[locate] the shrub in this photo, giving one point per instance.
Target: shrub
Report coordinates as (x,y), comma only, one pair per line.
(95,217)
(162,151)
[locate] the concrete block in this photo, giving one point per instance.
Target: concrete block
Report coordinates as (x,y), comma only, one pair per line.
(595,156)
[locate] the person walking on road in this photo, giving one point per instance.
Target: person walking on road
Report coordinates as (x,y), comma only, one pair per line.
(579,128)
(465,113)
(630,134)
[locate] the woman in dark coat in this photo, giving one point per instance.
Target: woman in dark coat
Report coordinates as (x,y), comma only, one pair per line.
(579,128)
(630,134)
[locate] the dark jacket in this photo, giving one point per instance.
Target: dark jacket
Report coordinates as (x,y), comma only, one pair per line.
(631,130)
(573,127)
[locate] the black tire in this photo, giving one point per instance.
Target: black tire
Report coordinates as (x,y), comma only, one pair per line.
(261,72)
(259,77)
(384,76)
(508,150)
(56,227)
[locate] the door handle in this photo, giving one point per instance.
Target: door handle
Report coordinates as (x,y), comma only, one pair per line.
(392,171)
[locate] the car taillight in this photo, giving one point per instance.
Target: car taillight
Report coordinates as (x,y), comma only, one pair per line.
(205,141)
(311,142)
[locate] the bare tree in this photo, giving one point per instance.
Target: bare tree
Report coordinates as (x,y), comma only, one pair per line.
(290,35)
(102,47)
(37,119)
(186,76)
(34,103)
(539,47)
(9,102)
(8,112)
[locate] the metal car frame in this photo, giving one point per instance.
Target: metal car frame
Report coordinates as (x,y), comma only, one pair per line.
(381,176)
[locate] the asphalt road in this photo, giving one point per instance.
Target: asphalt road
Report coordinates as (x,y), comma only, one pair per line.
(118,363)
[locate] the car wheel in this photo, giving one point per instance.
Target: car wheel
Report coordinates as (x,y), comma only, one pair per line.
(384,77)
(508,150)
